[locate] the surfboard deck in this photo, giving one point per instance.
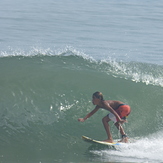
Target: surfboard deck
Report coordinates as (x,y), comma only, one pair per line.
(93,141)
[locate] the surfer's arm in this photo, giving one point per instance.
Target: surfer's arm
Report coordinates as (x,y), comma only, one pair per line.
(89,114)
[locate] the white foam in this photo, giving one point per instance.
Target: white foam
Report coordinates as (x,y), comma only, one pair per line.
(137,72)
(144,150)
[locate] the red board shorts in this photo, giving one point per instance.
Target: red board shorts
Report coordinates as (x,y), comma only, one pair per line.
(123,111)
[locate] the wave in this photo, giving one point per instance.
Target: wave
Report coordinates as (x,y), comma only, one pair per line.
(135,71)
(43,95)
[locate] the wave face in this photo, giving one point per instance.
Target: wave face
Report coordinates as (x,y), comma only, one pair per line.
(43,95)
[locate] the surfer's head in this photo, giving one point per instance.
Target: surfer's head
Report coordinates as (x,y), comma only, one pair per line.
(96,97)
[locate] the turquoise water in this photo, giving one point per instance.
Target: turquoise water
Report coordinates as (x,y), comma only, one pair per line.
(55,55)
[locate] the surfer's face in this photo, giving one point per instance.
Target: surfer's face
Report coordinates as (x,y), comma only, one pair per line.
(95,100)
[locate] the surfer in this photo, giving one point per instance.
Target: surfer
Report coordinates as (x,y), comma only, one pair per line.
(118,113)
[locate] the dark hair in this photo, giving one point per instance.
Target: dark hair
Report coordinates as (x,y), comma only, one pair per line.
(98,95)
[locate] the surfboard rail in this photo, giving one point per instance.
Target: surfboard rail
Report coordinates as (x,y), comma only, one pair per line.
(93,141)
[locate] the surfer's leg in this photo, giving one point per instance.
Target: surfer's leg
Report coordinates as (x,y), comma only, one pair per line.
(120,128)
(105,121)
(124,136)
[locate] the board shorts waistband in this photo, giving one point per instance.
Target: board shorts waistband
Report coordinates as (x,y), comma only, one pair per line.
(120,105)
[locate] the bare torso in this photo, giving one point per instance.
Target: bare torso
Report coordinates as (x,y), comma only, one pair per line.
(114,104)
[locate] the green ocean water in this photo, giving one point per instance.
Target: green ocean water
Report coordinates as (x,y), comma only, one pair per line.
(42,96)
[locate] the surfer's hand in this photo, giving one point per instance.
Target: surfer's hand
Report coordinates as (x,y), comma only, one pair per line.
(122,121)
(81,119)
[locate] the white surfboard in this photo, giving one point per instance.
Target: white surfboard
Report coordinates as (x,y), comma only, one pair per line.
(90,140)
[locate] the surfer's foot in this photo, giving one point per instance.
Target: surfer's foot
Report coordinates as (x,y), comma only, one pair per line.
(108,140)
(124,139)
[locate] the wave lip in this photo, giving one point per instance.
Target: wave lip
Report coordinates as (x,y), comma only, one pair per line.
(134,71)
(137,72)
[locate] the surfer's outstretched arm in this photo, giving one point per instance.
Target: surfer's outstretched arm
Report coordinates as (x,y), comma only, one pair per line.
(89,114)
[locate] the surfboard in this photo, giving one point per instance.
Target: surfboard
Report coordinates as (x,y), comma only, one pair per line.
(93,141)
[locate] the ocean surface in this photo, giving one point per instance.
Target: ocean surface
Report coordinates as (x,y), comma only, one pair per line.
(55,54)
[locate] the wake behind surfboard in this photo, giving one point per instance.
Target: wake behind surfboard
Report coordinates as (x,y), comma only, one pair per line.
(92,141)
